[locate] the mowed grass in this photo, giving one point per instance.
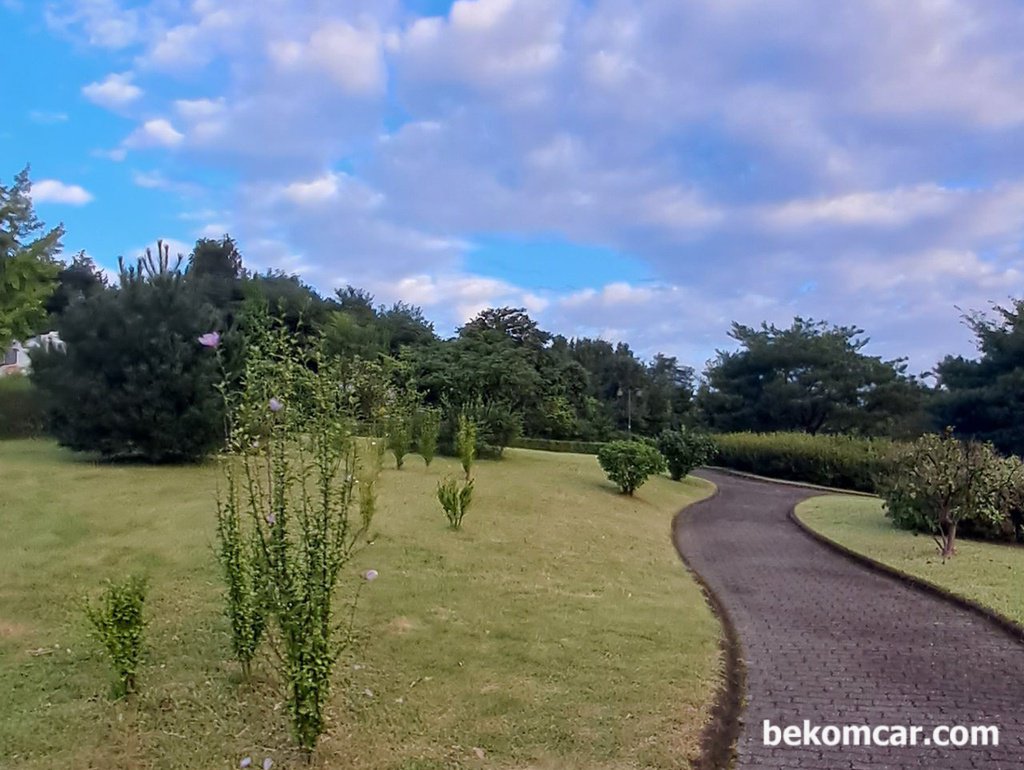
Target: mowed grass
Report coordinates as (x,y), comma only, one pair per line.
(988,573)
(557,630)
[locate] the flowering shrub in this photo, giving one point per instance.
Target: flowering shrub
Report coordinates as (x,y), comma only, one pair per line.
(629,463)
(296,505)
(118,624)
(455,499)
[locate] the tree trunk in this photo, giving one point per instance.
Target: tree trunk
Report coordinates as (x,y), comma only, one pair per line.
(948,539)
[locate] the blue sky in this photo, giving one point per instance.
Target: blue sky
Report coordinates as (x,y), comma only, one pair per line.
(646,170)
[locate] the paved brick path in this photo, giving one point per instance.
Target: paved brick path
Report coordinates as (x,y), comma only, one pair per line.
(827,640)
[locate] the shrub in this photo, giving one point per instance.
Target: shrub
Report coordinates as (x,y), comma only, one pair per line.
(118,624)
(399,437)
(455,499)
(832,461)
(239,556)
(938,483)
(21,408)
(629,463)
(428,428)
(465,443)
(684,450)
(134,383)
(290,444)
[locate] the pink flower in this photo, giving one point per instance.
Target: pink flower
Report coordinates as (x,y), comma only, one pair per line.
(370,575)
(275,405)
(210,340)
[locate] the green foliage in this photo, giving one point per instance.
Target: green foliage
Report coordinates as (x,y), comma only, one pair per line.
(239,553)
(813,378)
(301,487)
(75,282)
(118,624)
(984,398)
(554,445)
(399,437)
(22,414)
(28,263)
(134,382)
(833,461)
(685,450)
(428,427)
(550,386)
(629,463)
(455,498)
(938,483)
(465,443)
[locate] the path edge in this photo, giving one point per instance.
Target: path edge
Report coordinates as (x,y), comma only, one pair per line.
(721,733)
(1011,627)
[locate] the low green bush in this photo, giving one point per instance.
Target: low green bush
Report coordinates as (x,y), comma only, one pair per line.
(455,499)
(833,461)
(629,463)
(118,624)
(685,450)
(21,408)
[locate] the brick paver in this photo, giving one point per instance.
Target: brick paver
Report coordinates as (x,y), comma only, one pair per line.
(827,640)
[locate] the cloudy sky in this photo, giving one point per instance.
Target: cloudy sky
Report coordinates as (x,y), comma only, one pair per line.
(647,170)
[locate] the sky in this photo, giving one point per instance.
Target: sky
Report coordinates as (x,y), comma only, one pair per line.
(643,170)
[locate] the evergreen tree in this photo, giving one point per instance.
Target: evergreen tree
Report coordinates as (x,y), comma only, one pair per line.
(134,382)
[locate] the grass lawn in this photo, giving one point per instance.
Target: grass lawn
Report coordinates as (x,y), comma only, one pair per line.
(558,630)
(988,573)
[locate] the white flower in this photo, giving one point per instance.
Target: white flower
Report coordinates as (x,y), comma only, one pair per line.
(370,575)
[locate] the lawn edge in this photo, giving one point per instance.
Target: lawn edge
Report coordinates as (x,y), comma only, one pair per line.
(721,732)
(1010,627)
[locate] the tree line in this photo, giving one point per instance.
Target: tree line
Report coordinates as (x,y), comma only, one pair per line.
(133,381)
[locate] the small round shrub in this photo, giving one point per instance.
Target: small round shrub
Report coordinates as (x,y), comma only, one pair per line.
(629,463)
(684,450)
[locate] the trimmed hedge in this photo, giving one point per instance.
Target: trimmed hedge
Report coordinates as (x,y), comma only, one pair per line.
(21,408)
(558,445)
(832,461)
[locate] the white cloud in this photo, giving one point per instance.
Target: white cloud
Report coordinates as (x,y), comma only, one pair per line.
(157,132)
(351,56)
(200,109)
(54,191)
(102,23)
(46,118)
(116,90)
(487,43)
(887,208)
(332,186)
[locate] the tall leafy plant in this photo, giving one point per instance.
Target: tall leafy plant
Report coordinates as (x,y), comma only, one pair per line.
(298,517)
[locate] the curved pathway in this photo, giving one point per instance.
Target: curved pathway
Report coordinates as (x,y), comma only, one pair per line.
(827,640)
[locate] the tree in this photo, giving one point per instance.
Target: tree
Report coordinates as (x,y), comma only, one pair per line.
(133,381)
(938,482)
(984,398)
(75,282)
(810,377)
(28,262)
(216,271)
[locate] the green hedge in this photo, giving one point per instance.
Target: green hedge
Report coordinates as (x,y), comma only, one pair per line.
(559,445)
(832,461)
(21,409)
